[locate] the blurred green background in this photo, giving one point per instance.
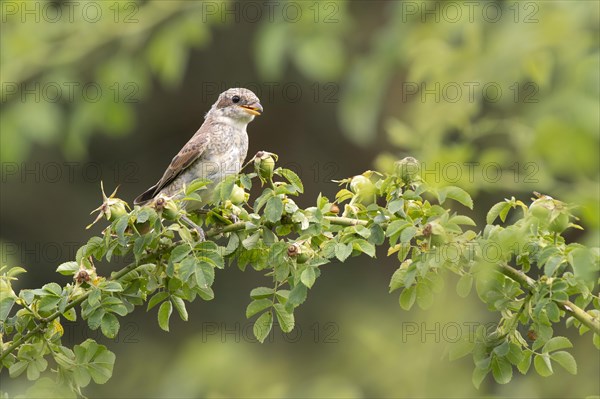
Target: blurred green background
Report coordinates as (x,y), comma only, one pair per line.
(499,97)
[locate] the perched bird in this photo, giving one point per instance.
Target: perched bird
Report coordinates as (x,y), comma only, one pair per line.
(215,151)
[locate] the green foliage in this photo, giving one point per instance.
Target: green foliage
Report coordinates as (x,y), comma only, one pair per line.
(290,246)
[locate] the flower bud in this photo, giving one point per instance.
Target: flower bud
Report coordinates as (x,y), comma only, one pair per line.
(264,164)
(407,169)
(238,195)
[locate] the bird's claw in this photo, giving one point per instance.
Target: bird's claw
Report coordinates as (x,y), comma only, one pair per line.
(198,229)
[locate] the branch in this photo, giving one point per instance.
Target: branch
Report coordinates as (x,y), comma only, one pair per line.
(341,221)
(586,319)
(76,302)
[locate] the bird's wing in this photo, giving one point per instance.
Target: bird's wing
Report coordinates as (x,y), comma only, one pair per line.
(190,152)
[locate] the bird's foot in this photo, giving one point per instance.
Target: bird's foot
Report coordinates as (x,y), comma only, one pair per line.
(199,230)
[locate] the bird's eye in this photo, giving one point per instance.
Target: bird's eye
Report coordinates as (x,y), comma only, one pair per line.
(235,99)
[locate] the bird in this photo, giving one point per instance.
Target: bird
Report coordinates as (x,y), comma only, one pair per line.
(217,149)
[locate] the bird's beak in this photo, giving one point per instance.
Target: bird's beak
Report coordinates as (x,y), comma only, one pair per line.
(253,109)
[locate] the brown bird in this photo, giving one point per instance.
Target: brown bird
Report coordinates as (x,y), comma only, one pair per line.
(216,150)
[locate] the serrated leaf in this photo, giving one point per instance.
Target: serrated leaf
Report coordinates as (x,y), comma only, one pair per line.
(180,252)
(156,299)
(364,246)
(111,286)
(556,343)
(263,325)
(297,295)
(68,268)
(542,365)
(407,234)
(164,313)
(525,362)
(180,306)
(261,292)
(109,325)
(396,226)
(293,178)
(501,370)
(285,318)
(308,276)
(566,360)
(257,306)
(120,227)
(343,251)
(274,209)
(92,360)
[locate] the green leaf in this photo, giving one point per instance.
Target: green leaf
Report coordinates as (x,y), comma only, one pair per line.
(424,295)
(460,349)
(180,252)
(68,268)
(297,295)
(164,313)
(156,299)
(566,360)
(408,234)
(120,226)
(226,187)
(110,325)
(16,369)
(197,185)
(463,287)
(257,306)
(274,209)
(456,193)
(479,376)
(180,306)
(408,297)
(262,292)
(293,179)
(205,274)
(501,370)
(552,264)
(462,220)
(70,315)
(542,365)
(92,360)
(111,286)
(285,318)
(495,211)
(556,343)
(502,349)
(308,276)
(343,251)
(364,246)
(6,304)
(396,226)
(525,362)
(263,325)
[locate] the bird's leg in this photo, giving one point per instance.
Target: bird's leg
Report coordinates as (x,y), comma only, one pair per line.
(195,227)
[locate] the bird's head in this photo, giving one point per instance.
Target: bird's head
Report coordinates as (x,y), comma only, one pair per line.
(239,104)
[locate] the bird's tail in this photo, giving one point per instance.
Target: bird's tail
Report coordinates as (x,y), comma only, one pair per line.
(146,196)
